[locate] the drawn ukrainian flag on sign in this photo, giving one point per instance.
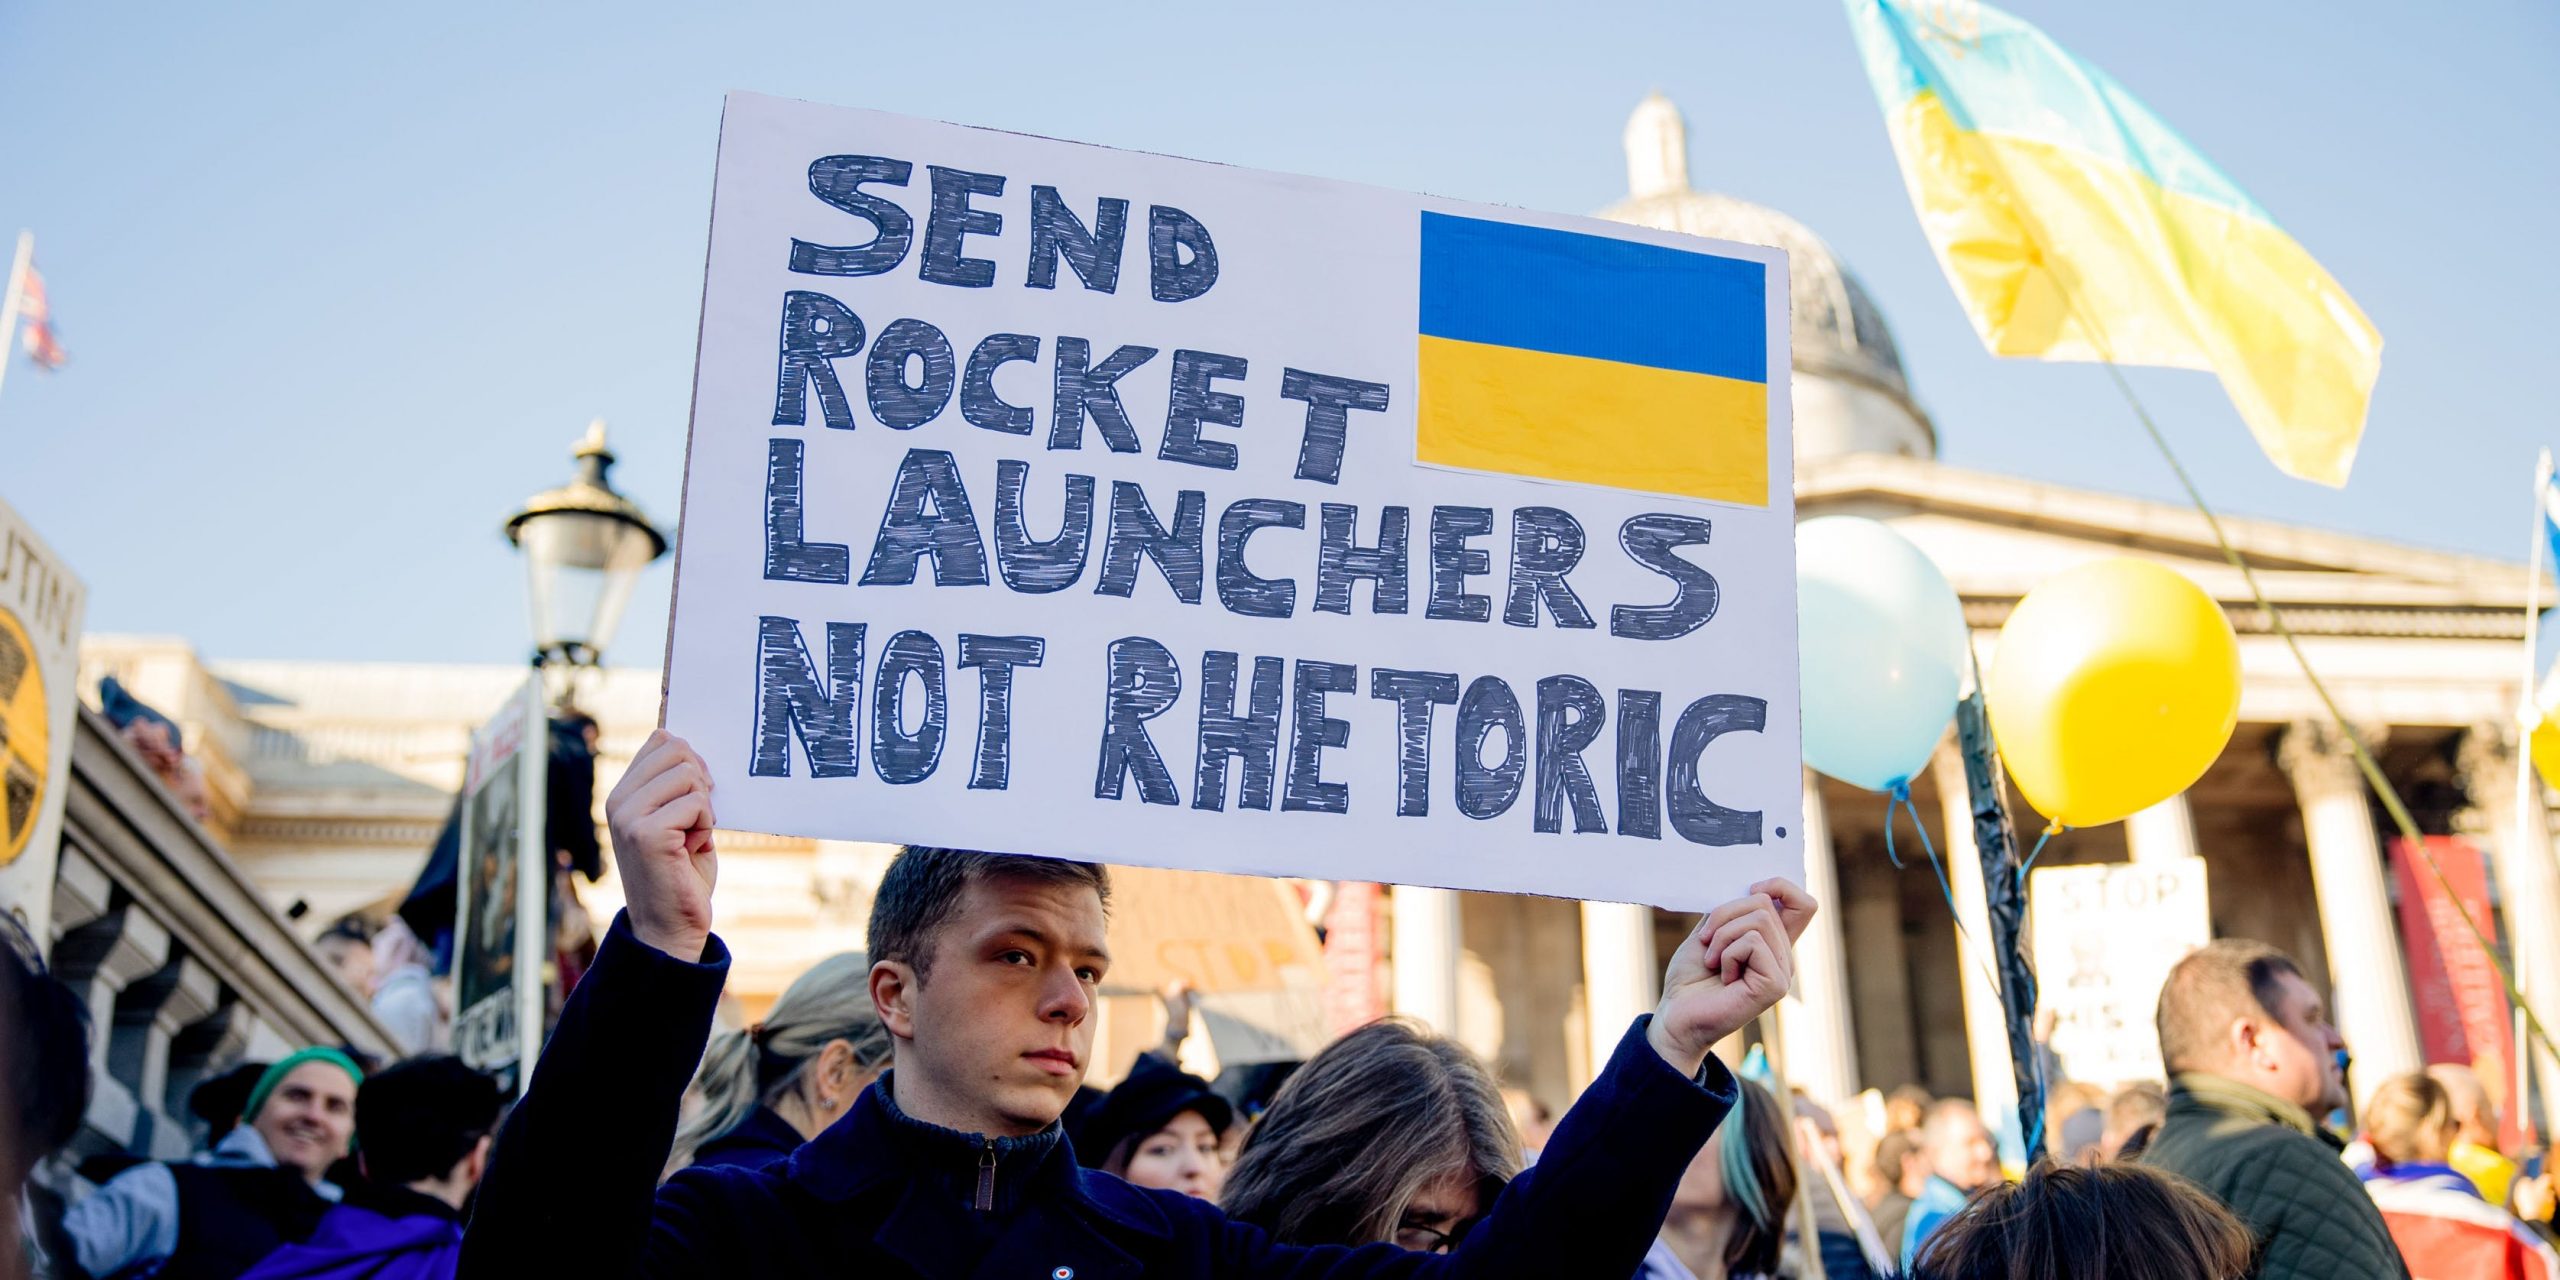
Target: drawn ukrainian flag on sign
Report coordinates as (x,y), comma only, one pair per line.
(1591,360)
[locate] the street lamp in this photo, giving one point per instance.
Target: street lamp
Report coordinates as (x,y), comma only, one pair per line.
(584,546)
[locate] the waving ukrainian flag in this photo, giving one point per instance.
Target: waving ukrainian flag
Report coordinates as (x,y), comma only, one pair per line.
(2076,225)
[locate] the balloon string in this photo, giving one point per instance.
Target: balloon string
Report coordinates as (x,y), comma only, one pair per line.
(1901,793)
(1902,800)
(2050,832)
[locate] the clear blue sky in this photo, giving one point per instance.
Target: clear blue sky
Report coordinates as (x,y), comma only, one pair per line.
(342,283)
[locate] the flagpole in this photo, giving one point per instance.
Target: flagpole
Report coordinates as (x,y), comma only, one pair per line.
(2532,828)
(17,292)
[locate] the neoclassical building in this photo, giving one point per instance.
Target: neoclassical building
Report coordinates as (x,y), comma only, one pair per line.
(2420,647)
(329,780)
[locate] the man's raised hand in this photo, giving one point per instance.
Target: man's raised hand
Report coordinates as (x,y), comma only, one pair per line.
(1737,963)
(660,816)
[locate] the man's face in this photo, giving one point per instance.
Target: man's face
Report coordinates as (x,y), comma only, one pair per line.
(307,1120)
(2297,1058)
(1960,1150)
(1002,1020)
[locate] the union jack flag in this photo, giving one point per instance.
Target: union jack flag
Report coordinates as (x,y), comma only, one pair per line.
(43,346)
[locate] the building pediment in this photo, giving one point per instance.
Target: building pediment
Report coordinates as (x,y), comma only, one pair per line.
(1997,536)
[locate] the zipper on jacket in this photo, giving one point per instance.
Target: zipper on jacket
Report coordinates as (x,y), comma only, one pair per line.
(987,1177)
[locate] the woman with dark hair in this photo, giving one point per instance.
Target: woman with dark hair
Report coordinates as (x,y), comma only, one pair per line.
(1728,1219)
(2109,1221)
(1159,1127)
(1389,1134)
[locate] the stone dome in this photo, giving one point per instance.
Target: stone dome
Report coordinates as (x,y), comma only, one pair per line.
(1850,392)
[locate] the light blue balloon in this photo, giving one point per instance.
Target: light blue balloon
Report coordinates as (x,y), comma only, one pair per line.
(1883,641)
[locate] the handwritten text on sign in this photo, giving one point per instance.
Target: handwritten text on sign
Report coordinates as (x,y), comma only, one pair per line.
(1055,499)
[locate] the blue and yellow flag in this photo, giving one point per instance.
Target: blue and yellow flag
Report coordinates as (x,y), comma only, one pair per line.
(2076,225)
(1562,356)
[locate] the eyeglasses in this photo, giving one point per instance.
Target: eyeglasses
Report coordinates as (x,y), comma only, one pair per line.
(1421,1238)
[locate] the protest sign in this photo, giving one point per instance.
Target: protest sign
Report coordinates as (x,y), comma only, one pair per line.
(2463,1016)
(2106,936)
(41,603)
(1053,499)
(499,941)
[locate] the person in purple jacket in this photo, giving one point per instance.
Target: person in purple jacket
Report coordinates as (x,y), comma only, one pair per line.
(986,968)
(423,1133)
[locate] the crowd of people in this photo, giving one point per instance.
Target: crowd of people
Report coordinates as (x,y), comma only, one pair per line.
(317,1169)
(920,1109)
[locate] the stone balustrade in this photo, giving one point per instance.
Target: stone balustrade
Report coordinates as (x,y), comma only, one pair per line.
(185,968)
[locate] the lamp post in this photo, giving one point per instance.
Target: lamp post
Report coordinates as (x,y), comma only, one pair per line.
(584,547)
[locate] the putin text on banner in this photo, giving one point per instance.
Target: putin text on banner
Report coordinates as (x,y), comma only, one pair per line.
(2076,225)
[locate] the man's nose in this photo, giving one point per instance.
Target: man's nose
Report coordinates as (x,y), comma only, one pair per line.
(1064,998)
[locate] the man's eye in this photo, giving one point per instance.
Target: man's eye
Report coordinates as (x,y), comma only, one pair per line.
(1089,974)
(1015,957)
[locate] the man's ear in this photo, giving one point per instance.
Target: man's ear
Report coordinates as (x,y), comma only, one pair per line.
(2246,1034)
(475,1162)
(893,985)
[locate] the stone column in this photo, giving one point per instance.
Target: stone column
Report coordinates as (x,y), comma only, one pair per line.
(1986,1029)
(99,960)
(1426,955)
(2528,882)
(2165,832)
(149,1015)
(1814,1018)
(2369,983)
(1621,975)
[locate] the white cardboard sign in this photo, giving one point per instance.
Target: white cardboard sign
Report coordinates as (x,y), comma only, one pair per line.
(1053,499)
(2106,936)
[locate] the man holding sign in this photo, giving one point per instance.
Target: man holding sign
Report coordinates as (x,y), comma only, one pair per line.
(985,970)
(1117,507)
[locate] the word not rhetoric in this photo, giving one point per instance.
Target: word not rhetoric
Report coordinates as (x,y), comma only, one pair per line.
(824,709)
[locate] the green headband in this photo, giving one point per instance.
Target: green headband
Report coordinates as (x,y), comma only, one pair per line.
(275,1075)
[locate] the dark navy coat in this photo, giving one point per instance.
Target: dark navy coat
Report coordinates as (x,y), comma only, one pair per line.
(761,1137)
(571,1189)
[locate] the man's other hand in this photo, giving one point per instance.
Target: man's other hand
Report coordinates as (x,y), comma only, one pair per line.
(1736,964)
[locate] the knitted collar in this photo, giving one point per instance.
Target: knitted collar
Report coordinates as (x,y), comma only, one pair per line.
(958,1148)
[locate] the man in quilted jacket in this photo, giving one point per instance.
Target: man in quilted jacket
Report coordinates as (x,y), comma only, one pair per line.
(2252,1058)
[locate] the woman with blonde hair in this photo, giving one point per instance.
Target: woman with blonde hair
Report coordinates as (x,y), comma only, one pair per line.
(2436,1215)
(768,1087)
(1390,1134)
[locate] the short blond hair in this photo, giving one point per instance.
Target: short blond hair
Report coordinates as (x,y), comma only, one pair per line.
(2215,985)
(2408,1118)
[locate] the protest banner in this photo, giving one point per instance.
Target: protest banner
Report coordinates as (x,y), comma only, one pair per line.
(2106,936)
(502,934)
(2463,1016)
(41,604)
(1053,499)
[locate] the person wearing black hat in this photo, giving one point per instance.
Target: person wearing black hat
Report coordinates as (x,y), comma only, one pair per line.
(1160,1127)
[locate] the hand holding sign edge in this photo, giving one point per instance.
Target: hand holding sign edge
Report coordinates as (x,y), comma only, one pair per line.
(1738,962)
(660,817)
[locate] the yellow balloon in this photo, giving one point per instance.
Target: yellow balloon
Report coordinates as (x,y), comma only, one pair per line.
(2115,686)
